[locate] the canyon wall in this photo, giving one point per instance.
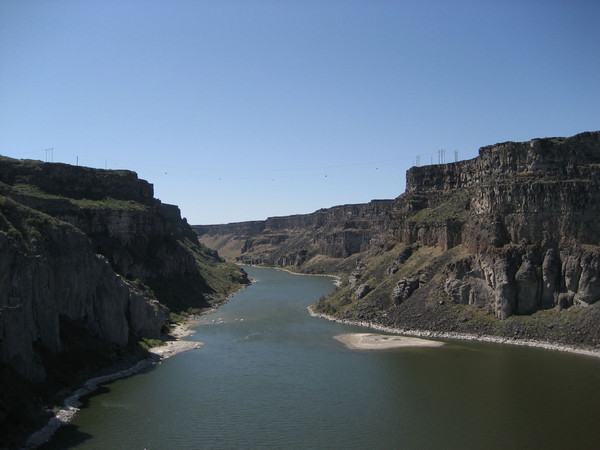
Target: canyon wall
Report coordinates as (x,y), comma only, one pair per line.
(337,232)
(93,251)
(509,233)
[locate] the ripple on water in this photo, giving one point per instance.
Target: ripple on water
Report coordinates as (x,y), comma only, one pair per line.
(279,380)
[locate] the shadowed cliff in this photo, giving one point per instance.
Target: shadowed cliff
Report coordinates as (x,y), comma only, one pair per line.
(506,243)
(90,264)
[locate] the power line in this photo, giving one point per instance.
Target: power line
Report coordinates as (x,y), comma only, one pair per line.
(442,156)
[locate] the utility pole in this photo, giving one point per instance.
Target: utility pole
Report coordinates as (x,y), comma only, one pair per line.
(51,150)
(441,156)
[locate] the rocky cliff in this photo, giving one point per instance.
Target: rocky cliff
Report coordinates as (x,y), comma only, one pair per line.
(505,243)
(302,240)
(90,263)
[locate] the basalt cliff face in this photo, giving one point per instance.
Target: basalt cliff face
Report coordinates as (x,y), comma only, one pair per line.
(507,243)
(90,263)
(302,240)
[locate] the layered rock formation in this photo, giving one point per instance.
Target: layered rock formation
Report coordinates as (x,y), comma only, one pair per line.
(90,263)
(338,232)
(509,233)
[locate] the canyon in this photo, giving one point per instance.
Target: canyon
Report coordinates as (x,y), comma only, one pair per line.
(505,244)
(91,269)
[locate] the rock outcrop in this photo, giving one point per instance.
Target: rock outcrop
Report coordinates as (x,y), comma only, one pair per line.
(90,258)
(50,273)
(338,232)
(512,232)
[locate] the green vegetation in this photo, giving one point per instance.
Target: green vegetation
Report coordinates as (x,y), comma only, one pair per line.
(52,213)
(453,206)
(110,203)
(178,317)
(31,190)
(141,287)
(23,224)
(147,343)
(382,271)
(222,277)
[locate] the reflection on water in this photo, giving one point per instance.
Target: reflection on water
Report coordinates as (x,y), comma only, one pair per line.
(271,376)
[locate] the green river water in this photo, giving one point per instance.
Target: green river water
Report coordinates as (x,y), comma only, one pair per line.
(272,376)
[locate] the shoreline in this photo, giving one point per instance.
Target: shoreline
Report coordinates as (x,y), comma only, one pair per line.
(375,341)
(461,336)
(72,403)
(172,347)
(336,278)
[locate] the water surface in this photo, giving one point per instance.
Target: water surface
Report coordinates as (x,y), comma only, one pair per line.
(271,376)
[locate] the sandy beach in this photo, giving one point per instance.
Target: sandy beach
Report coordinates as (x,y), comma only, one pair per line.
(375,341)
(463,336)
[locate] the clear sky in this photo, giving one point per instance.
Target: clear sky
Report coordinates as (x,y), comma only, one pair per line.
(240,110)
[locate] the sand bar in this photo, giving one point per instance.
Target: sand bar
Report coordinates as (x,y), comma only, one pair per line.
(546,345)
(375,341)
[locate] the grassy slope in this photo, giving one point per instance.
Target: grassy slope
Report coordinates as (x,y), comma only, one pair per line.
(429,308)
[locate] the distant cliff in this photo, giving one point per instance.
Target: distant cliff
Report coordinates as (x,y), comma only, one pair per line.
(507,243)
(302,240)
(90,263)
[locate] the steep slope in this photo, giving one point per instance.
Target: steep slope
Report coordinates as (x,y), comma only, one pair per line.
(312,242)
(90,264)
(506,243)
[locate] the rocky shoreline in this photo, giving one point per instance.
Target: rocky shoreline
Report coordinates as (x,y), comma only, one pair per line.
(337,281)
(505,244)
(72,403)
(173,345)
(461,336)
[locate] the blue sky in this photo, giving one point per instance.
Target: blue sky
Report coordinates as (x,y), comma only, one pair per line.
(240,110)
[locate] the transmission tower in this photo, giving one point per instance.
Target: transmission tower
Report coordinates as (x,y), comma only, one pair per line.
(441,156)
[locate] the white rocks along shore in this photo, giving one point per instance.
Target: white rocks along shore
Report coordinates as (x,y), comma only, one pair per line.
(461,336)
(73,403)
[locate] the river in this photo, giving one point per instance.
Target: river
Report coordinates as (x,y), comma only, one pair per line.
(272,376)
